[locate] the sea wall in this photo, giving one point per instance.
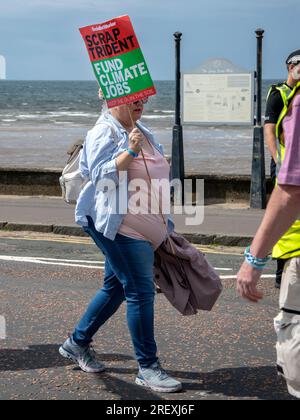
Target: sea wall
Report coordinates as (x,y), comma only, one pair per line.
(45,182)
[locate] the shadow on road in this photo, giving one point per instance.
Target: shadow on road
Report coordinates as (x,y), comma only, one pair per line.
(42,357)
(126,390)
(35,357)
(244,382)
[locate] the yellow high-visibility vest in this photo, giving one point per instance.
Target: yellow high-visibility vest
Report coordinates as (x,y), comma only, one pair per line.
(289,245)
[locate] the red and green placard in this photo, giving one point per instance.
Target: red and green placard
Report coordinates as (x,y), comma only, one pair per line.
(118,61)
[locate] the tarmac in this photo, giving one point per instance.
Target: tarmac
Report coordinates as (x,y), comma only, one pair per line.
(227,354)
(224,224)
(46,283)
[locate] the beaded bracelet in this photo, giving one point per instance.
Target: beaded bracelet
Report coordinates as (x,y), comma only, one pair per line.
(132,153)
(258,263)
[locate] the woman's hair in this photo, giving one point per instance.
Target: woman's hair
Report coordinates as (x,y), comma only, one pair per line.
(104,108)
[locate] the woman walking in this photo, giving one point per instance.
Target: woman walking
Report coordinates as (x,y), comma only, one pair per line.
(128,241)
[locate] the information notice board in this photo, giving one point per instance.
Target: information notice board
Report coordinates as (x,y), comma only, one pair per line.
(218,99)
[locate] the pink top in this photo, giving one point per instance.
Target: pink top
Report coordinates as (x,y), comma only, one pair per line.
(290,170)
(144,225)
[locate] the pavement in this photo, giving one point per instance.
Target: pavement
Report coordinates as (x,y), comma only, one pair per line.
(46,282)
(224,224)
(48,277)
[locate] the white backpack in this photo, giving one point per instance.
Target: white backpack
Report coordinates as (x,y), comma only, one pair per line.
(71,180)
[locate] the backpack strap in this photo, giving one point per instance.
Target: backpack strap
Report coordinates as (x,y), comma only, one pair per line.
(108,124)
(78,145)
(74,150)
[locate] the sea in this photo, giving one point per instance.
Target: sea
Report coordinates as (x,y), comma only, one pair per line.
(39,120)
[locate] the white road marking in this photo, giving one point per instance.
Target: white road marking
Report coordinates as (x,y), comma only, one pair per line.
(2,328)
(264,276)
(68,261)
(42,261)
(95,265)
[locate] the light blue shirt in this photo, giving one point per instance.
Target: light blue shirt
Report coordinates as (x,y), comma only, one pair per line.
(104,143)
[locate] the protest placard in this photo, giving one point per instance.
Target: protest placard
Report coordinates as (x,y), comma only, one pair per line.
(118,62)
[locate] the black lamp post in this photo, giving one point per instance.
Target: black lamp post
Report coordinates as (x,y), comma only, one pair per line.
(177,144)
(258,194)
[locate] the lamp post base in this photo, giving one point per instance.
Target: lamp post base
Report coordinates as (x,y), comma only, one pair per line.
(258,199)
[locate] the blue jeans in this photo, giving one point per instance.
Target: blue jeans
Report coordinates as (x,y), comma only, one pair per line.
(128,276)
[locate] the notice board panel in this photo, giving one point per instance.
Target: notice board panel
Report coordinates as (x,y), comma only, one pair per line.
(218,99)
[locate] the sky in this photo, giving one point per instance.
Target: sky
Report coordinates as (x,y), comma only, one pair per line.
(40,38)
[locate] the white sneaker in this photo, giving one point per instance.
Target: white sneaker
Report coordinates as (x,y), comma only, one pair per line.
(84,357)
(157,379)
